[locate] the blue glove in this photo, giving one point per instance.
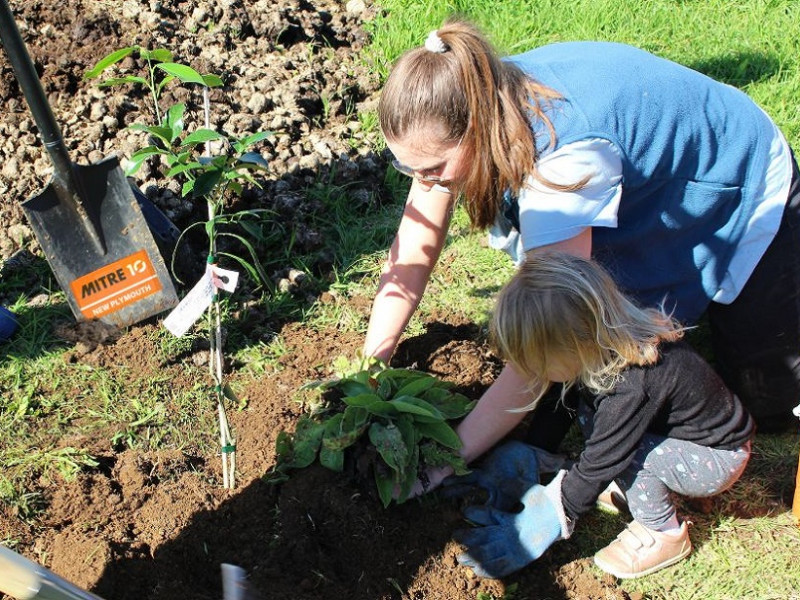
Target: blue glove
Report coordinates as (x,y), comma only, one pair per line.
(506,542)
(506,474)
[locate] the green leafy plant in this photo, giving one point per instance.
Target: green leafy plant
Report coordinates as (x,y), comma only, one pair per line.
(398,418)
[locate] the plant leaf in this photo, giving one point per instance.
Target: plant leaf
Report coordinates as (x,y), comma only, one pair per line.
(332,459)
(159,55)
(416,406)
(385,487)
(362,400)
(411,476)
(451,405)
(416,386)
(182,72)
(388,441)
(107,61)
(122,80)
(205,183)
(352,387)
(343,429)
(182,168)
(201,136)
(211,80)
(441,433)
(304,444)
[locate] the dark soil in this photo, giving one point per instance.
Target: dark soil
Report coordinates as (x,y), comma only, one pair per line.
(156,524)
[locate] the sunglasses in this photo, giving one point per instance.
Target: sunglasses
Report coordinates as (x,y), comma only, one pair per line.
(431,179)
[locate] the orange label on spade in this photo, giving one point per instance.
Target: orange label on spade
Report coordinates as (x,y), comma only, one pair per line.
(116,285)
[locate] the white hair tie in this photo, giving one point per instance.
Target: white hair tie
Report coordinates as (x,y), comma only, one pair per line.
(434,43)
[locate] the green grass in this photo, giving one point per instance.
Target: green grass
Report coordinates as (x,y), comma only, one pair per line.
(43,396)
(751,45)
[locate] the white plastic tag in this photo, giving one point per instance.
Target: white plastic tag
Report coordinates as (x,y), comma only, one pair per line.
(223,278)
(199,298)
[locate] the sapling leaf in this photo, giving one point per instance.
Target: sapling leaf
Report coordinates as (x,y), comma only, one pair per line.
(173,119)
(205,183)
(248,246)
(235,187)
(211,80)
(139,157)
(107,61)
(247,141)
(187,188)
(201,136)
(157,55)
(255,274)
(182,168)
(163,83)
(146,152)
(252,158)
(162,133)
(111,81)
(182,72)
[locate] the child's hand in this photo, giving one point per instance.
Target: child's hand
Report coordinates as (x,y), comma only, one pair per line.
(505,542)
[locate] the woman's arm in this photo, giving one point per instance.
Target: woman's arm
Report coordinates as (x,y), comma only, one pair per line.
(414,252)
(580,245)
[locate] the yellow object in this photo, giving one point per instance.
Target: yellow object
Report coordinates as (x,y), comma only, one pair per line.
(796,502)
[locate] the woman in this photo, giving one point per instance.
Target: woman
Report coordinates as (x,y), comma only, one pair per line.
(680,186)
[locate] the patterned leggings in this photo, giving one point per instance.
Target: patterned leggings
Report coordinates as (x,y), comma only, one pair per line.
(664,464)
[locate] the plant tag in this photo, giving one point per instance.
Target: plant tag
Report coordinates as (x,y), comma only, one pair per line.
(223,278)
(191,308)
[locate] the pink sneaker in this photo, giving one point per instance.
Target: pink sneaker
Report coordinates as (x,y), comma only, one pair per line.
(639,551)
(612,499)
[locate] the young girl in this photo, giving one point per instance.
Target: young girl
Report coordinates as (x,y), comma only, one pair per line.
(656,418)
(679,185)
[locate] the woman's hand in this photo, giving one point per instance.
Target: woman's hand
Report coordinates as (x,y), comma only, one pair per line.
(430,480)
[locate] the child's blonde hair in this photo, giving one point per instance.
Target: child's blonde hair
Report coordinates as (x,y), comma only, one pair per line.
(562,305)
